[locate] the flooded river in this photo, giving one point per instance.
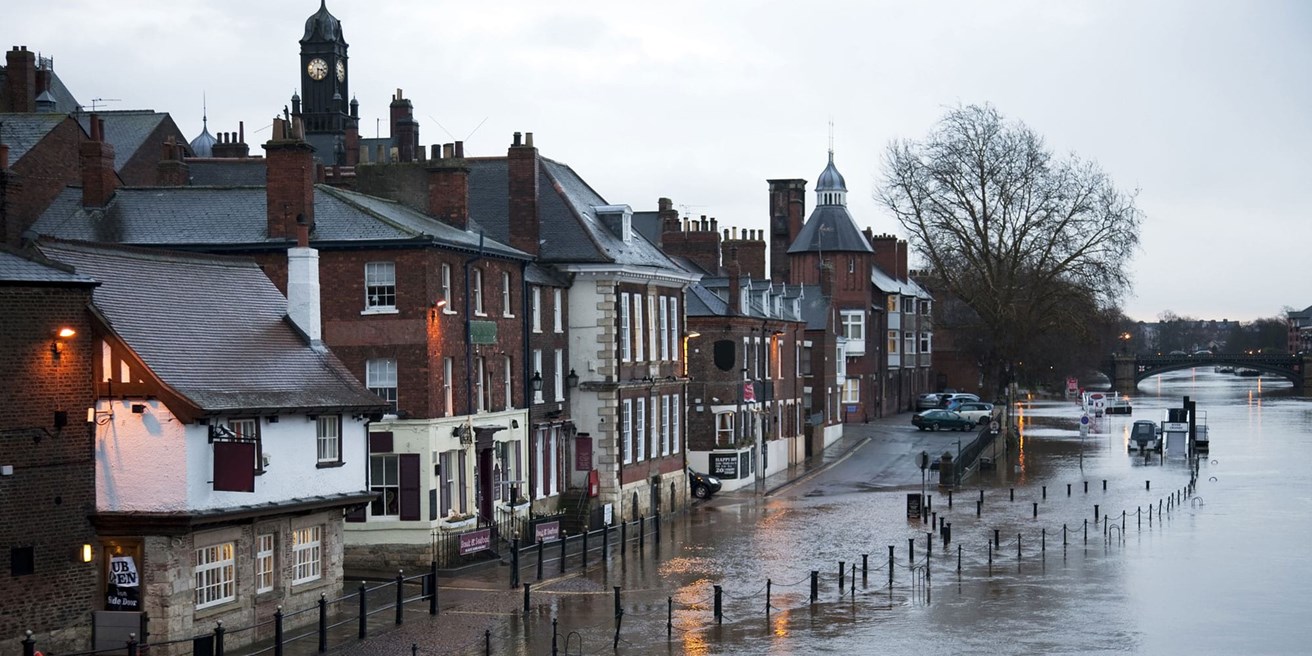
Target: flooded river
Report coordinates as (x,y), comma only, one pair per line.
(1220,571)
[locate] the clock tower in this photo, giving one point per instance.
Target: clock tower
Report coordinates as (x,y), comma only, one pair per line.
(325,81)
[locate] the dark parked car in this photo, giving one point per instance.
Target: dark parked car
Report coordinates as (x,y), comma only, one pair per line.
(703,485)
(940,420)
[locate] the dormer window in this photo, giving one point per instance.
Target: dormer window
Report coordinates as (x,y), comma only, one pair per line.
(618,219)
(626,230)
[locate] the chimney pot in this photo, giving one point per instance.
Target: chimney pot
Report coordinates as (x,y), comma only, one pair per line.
(517,138)
(460,147)
(448,151)
(528,139)
(436,149)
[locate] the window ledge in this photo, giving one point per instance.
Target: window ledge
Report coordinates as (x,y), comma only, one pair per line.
(329,465)
(379,310)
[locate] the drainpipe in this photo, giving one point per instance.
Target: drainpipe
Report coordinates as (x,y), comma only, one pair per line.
(469,343)
(524,381)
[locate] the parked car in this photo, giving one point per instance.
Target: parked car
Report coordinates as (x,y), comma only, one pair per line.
(703,485)
(929,401)
(976,411)
(951,401)
(940,420)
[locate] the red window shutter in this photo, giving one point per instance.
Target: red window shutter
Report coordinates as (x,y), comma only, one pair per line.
(234,469)
(380,442)
(409,463)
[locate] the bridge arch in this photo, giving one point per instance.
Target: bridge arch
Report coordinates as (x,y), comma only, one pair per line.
(1127,371)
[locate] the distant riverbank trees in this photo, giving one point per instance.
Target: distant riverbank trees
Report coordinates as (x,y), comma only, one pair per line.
(1034,247)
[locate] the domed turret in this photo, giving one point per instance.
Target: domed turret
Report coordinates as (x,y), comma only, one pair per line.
(831,189)
(323,26)
(203,144)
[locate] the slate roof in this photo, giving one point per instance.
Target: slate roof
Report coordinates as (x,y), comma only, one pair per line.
(65,103)
(888,284)
(709,297)
(569,227)
(21,132)
(815,308)
(226,172)
(127,131)
(15,268)
(536,274)
(235,217)
(215,329)
(830,229)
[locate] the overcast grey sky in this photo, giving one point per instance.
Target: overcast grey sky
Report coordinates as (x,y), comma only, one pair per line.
(1205,107)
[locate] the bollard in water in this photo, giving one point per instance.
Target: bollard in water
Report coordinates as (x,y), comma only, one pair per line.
(1148,485)
(949,499)
(852,591)
(1068,489)
(1018,546)
(865,568)
(911,553)
(526,604)
(1086,487)
(540,543)
(554,634)
(1138,514)
(947,534)
(514,561)
(990,558)
(1063,535)
(979,508)
(981,496)
(1095,513)
(1045,491)
(768,584)
(1104,485)
(1036,508)
(842,571)
(719,613)
(958,559)
(997,538)
(1086,531)
(815,586)
(669,616)
(929,544)
(1043,541)
(1012,492)
(890,568)
(933,520)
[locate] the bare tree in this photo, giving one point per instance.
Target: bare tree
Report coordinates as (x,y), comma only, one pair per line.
(1023,238)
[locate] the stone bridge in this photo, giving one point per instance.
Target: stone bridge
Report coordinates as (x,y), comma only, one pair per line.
(1126,371)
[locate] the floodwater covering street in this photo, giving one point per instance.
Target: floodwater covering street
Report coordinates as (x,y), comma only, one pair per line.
(1219,570)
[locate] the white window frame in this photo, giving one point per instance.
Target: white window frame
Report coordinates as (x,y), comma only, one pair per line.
(558,310)
(674,328)
(480,384)
(674,422)
(926,342)
(380,377)
(307,554)
(638,335)
(651,330)
(626,430)
(909,343)
(478,292)
(893,339)
(507,309)
(215,575)
(559,375)
(626,354)
(852,390)
(724,428)
(665,328)
(854,325)
(537,309)
(449,307)
(380,287)
(640,429)
(448,390)
(328,438)
(797,359)
(264,562)
(665,424)
(507,381)
(391,463)
(537,370)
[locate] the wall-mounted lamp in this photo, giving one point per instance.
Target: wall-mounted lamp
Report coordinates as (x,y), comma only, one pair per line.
(572,380)
(57,346)
(537,381)
(441,303)
(84,553)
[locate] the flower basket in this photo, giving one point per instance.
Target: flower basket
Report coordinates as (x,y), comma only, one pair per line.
(458,523)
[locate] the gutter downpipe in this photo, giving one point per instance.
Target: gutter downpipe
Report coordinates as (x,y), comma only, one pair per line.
(469,342)
(525,381)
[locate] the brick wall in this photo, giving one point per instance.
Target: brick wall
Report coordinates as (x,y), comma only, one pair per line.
(46,501)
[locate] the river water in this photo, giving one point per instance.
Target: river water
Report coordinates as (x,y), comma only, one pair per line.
(1221,570)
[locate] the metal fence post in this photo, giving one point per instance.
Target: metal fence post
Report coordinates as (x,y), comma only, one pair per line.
(323,622)
(540,543)
(605,542)
(719,615)
(669,617)
(277,632)
(584,552)
(400,595)
(842,572)
(564,542)
(526,604)
(364,613)
(657,534)
(890,567)
(642,532)
(218,638)
(514,560)
(432,582)
(132,644)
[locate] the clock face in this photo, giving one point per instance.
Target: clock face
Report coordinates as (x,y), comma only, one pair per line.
(317,69)
(341,71)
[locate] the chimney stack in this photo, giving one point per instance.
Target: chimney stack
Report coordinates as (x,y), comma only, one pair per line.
(172,170)
(735,284)
(97,158)
(787,214)
(289,179)
(303,283)
(20,81)
(523,182)
(405,130)
(448,189)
